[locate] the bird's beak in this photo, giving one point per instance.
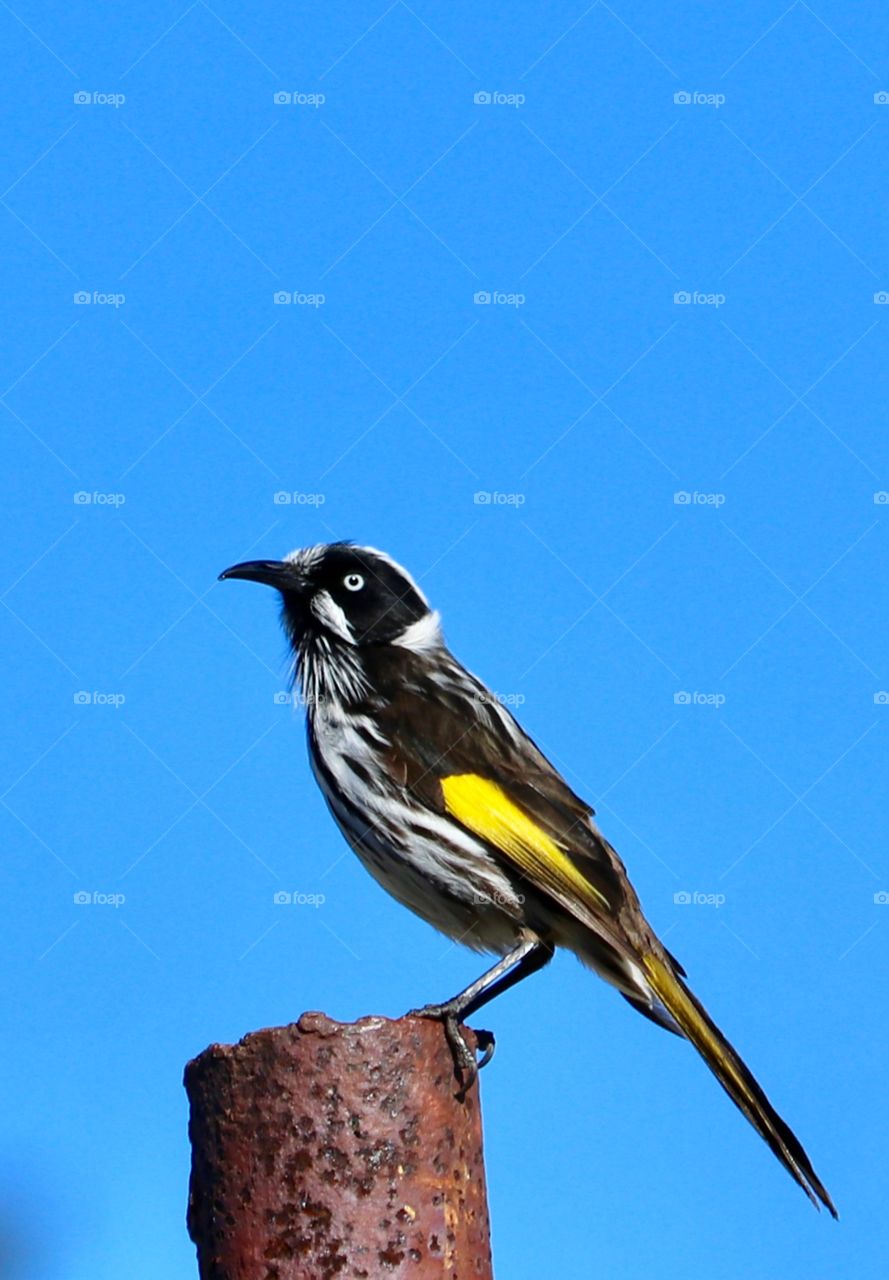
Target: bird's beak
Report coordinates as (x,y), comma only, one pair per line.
(274,573)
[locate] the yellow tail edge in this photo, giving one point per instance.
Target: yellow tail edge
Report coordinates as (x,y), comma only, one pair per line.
(735,1077)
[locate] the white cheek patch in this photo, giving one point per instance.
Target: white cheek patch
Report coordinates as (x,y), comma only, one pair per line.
(425,633)
(331,616)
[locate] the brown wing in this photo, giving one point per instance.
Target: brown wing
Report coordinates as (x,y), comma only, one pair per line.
(439,734)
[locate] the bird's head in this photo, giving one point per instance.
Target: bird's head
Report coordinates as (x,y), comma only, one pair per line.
(345,595)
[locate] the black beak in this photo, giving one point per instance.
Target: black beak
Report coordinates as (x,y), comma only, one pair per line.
(274,573)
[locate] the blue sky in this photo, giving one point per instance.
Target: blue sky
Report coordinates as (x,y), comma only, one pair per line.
(586,326)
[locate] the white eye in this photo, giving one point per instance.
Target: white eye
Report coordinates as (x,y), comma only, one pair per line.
(353,582)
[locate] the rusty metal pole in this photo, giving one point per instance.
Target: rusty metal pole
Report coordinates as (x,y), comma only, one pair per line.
(326,1149)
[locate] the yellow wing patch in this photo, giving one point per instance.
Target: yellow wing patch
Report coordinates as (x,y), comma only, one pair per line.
(486,810)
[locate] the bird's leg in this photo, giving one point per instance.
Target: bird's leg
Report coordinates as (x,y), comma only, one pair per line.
(530,955)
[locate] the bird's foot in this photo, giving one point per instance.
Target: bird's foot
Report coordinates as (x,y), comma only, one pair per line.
(466,1064)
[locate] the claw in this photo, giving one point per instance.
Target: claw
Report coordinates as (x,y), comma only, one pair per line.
(486,1043)
(466,1065)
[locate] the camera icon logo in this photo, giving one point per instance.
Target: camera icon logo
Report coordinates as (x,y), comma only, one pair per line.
(81,298)
(282,898)
(282,298)
(682,898)
(682,498)
(881,698)
(682,699)
(881,97)
(881,898)
(881,498)
(82,97)
(283,99)
(482,298)
(682,98)
(682,297)
(82,898)
(281,698)
(881,297)
(82,698)
(482,98)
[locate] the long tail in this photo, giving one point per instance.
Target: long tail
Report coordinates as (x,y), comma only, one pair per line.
(738,1082)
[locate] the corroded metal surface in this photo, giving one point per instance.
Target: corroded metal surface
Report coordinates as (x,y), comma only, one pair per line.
(325,1149)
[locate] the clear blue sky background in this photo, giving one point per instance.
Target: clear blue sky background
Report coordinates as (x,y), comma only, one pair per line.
(593,595)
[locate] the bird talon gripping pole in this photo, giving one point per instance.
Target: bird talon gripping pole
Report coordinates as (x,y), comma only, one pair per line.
(466,1064)
(465,1061)
(462,818)
(530,955)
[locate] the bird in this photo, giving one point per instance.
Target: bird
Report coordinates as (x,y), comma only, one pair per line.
(457,812)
